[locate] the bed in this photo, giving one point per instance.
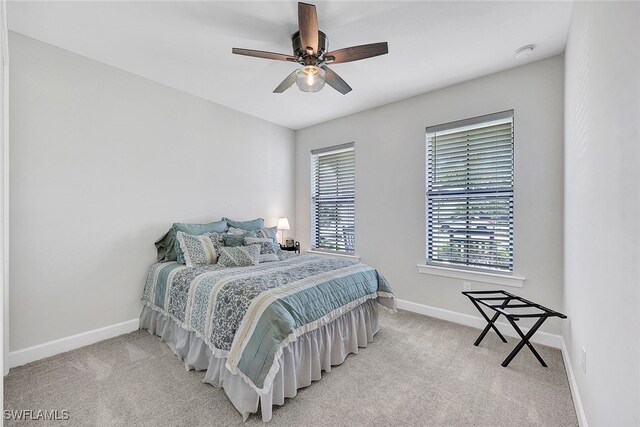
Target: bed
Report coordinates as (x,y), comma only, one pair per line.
(262,332)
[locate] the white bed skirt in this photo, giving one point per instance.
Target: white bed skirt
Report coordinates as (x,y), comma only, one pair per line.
(302,361)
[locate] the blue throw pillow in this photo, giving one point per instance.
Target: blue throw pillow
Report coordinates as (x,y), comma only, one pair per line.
(198,229)
(232,240)
(253,225)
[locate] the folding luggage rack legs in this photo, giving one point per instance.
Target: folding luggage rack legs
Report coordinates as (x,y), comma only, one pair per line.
(506,300)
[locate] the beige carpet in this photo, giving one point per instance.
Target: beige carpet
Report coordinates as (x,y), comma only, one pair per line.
(419,371)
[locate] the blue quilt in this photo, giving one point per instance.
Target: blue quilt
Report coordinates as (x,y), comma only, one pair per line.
(248,314)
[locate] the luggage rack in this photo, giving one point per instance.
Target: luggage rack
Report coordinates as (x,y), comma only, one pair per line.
(501,301)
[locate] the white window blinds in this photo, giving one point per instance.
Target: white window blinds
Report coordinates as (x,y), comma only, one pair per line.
(333,198)
(470,193)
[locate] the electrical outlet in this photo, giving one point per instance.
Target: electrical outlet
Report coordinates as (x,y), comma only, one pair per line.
(466,286)
(583,361)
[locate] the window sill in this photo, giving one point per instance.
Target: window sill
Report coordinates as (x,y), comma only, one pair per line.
(473,276)
(334,254)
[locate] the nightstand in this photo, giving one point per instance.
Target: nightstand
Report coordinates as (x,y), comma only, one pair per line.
(295,248)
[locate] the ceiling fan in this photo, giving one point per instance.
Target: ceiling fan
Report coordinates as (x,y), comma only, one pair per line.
(310,51)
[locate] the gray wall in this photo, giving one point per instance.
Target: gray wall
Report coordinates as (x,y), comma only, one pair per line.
(102,162)
(390,181)
(602,207)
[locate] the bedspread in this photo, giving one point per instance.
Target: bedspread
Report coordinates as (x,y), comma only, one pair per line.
(249,314)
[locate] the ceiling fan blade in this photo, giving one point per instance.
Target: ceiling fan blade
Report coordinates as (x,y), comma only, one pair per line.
(308,25)
(335,81)
(355,53)
(265,55)
(286,83)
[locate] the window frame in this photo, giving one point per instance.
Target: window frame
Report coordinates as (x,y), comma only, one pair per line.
(442,267)
(314,231)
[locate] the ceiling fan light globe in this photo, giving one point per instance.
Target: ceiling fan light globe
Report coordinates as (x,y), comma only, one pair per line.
(310,78)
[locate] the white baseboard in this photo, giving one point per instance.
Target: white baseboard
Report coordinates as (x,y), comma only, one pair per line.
(51,348)
(544,338)
(573,385)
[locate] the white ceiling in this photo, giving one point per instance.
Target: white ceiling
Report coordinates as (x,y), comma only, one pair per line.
(187,45)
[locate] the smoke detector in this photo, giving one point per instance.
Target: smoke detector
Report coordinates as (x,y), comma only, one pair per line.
(525,51)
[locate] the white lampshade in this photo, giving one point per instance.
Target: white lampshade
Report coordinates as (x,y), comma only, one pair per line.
(283,224)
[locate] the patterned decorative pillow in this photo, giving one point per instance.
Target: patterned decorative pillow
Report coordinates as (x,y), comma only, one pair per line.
(239,256)
(196,229)
(168,246)
(199,250)
(271,233)
(237,239)
(267,248)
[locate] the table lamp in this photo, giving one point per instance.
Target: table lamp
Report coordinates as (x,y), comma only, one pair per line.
(283,224)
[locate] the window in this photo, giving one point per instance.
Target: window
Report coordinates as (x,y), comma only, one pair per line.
(470,194)
(333,199)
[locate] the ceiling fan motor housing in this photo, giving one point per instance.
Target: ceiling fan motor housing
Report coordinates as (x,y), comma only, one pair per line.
(301,51)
